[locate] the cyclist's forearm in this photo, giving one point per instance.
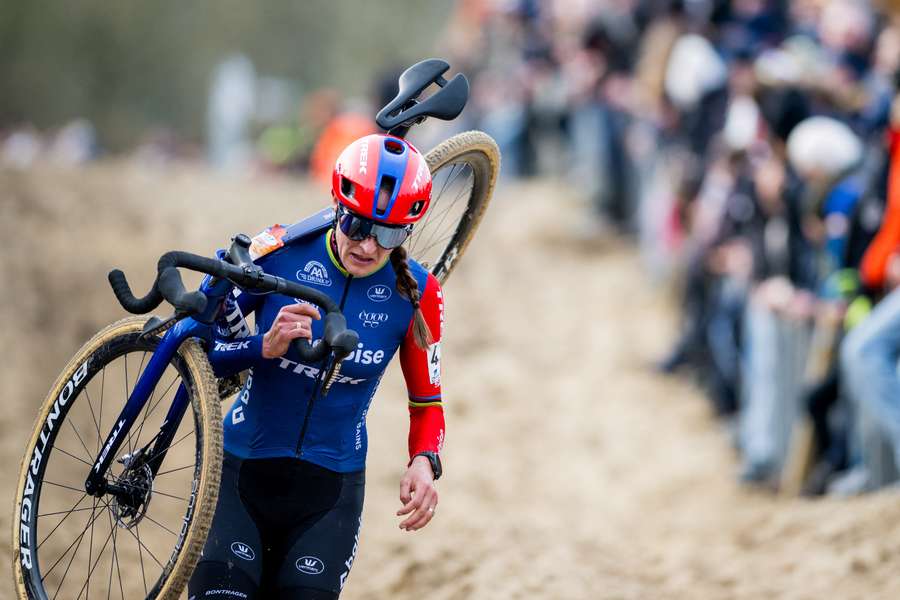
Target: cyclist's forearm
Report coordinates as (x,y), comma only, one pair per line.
(228,357)
(426,427)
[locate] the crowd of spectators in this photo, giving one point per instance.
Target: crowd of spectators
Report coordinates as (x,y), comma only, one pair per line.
(753,149)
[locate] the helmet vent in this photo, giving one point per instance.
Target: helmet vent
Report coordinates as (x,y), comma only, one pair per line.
(416,208)
(393,146)
(347,187)
(385,192)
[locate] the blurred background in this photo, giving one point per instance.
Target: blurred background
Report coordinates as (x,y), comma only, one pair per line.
(671,354)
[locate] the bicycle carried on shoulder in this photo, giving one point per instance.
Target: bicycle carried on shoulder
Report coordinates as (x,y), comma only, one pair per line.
(120,477)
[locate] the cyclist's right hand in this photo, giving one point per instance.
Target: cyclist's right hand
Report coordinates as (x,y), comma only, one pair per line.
(292,321)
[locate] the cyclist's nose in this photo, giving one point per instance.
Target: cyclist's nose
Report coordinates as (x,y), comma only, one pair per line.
(368,245)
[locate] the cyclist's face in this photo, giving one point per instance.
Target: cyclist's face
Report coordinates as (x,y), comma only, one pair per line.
(360,258)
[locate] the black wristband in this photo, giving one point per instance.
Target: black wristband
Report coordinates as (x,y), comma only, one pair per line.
(435,461)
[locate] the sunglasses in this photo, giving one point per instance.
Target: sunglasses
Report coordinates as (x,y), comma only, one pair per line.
(359,228)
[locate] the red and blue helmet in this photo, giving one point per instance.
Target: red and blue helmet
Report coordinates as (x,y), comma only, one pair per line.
(383,178)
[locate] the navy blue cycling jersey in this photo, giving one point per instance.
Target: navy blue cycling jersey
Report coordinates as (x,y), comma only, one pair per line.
(267,416)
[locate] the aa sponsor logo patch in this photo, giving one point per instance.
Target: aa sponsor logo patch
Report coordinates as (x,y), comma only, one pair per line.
(314,272)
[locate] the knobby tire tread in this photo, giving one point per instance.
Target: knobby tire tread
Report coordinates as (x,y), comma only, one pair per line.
(206,394)
(476,146)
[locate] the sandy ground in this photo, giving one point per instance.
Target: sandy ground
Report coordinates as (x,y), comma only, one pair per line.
(571,470)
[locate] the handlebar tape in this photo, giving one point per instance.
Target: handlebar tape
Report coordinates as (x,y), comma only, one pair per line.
(127,299)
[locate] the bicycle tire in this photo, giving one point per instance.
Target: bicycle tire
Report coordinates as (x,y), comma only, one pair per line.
(118,341)
(478,152)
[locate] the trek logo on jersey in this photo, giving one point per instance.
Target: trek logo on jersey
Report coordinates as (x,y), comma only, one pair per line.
(379,293)
(314,272)
(434,363)
(242,550)
(372,320)
(309,565)
(223,347)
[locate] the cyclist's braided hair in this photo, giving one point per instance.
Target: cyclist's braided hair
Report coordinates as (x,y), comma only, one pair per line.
(407,286)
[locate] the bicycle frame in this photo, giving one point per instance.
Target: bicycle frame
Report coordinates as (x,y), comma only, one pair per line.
(96,483)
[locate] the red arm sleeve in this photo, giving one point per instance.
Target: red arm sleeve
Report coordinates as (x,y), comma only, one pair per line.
(887,240)
(422,370)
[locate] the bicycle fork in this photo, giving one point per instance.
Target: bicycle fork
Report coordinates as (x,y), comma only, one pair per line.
(96,483)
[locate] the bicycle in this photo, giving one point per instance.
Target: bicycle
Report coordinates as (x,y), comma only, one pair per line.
(89,484)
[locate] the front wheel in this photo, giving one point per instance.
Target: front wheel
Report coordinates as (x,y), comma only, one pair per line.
(68,544)
(464,171)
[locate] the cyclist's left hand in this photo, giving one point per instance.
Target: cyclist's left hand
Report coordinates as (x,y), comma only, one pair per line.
(418,495)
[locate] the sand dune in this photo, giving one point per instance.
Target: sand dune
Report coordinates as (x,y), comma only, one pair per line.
(571,471)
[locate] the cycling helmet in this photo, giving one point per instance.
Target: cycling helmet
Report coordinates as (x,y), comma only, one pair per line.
(383,178)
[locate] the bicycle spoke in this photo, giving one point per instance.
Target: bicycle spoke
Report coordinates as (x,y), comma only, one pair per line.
(161,398)
(141,556)
(165,495)
(431,244)
(68,487)
(115,559)
(174,470)
(73,456)
(158,524)
(446,212)
(94,517)
(102,550)
(90,555)
(83,445)
(93,416)
(142,545)
(62,512)
(71,559)
(149,458)
(427,227)
(69,512)
(439,194)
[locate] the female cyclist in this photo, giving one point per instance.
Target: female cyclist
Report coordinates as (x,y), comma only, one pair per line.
(288,515)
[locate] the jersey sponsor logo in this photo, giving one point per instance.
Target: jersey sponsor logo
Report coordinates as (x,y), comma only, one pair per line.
(314,272)
(434,363)
(312,372)
(242,550)
(361,356)
(379,293)
(309,565)
(372,319)
(237,415)
(223,347)
(349,562)
(359,427)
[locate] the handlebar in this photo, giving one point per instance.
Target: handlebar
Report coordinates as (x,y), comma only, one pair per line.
(170,287)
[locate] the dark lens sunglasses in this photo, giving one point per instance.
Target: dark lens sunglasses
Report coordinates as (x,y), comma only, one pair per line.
(359,228)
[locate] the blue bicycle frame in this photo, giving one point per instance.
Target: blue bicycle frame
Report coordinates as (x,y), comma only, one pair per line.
(199,326)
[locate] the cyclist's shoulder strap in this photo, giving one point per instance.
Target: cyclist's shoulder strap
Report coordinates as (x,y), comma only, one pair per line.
(278,236)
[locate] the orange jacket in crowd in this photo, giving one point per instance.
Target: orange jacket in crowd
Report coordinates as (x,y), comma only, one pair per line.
(887,241)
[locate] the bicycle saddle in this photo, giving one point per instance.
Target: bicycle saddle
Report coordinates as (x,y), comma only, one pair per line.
(446,103)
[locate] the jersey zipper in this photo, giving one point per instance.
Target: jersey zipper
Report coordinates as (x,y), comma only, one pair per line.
(323,368)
